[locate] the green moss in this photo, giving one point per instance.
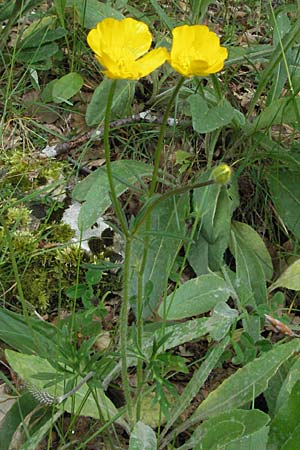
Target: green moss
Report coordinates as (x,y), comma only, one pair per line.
(48,273)
(24,242)
(19,216)
(27,172)
(59,232)
(47,262)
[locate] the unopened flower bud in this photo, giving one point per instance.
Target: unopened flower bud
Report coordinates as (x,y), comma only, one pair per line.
(222,174)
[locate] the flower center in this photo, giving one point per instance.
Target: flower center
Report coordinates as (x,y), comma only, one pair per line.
(184,61)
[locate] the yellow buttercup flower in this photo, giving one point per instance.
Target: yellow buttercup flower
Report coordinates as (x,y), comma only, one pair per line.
(121,47)
(196,51)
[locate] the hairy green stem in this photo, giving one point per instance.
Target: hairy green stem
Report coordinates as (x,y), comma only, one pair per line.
(124,329)
(126,272)
(114,198)
(158,199)
(140,321)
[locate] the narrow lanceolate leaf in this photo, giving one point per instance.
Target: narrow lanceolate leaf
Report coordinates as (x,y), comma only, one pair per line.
(198,379)
(289,279)
(167,232)
(195,297)
(217,326)
(142,438)
(247,383)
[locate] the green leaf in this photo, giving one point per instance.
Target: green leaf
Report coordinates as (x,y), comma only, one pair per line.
(23,406)
(274,60)
(194,297)
(285,192)
(206,118)
(33,441)
(28,367)
(221,320)
(226,428)
(6,10)
(286,421)
(167,232)
(142,437)
(91,12)
(40,36)
(94,189)
(164,18)
(214,205)
(121,101)
(196,382)
(38,54)
(28,335)
(253,241)
(281,27)
(294,61)
(199,255)
(256,441)
(217,326)
(66,87)
(202,7)
(293,441)
(247,383)
(205,201)
(277,387)
(251,264)
(282,111)
(60,9)
(292,375)
(253,53)
(289,279)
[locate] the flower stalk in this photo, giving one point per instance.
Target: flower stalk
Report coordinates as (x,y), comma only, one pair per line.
(124,330)
(126,272)
(114,198)
(159,147)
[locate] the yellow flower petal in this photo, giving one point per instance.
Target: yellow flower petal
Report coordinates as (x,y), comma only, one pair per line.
(139,68)
(196,51)
(118,45)
(151,61)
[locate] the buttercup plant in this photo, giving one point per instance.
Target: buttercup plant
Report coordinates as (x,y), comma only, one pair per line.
(185,341)
(121,47)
